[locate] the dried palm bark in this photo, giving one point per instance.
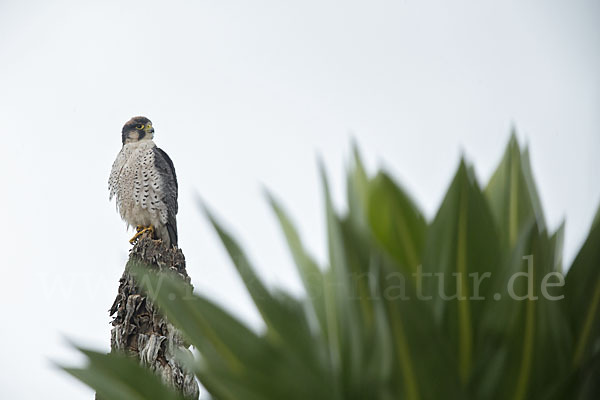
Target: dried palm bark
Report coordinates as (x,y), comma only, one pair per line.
(140,330)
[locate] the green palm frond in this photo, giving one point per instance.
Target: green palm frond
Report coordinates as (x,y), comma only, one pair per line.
(469,305)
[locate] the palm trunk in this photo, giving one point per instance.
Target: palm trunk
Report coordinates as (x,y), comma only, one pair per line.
(140,330)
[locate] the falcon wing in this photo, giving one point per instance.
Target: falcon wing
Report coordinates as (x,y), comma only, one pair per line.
(166,169)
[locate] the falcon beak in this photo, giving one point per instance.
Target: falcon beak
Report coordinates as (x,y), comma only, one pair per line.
(149,129)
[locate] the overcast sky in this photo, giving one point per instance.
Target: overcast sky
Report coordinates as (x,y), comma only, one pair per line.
(246,94)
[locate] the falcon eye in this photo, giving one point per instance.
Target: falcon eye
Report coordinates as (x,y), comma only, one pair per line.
(139,126)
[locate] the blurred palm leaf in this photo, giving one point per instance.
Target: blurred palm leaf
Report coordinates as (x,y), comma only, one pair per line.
(582,292)
(118,377)
(453,308)
(462,249)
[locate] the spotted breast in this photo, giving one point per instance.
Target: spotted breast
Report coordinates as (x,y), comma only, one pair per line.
(139,188)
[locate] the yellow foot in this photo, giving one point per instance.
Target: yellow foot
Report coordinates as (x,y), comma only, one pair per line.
(141,230)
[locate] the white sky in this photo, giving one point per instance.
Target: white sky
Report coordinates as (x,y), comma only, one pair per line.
(244,94)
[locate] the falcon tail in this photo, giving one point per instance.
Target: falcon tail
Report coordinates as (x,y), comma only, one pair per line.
(172,229)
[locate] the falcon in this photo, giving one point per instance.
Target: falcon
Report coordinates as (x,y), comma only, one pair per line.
(144,183)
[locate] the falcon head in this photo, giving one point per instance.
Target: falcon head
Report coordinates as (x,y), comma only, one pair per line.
(136,129)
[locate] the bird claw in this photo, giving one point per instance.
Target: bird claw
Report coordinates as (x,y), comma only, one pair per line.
(141,230)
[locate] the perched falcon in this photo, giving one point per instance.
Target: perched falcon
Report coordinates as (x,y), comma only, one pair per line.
(144,182)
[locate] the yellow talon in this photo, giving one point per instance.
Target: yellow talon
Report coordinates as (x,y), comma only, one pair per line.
(141,230)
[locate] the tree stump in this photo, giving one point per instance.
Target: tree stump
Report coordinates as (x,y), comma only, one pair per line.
(140,330)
